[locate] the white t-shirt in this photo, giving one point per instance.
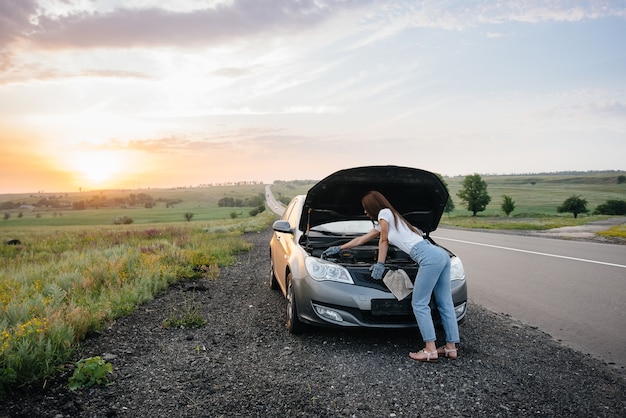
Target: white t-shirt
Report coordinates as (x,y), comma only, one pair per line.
(402,237)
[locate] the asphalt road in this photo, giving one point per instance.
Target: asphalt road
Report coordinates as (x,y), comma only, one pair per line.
(574,291)
(274,205)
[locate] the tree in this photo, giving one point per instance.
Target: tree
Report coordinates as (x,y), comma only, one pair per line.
(508,204)
(79,205)
(474,194)
(188,216)
(574,204)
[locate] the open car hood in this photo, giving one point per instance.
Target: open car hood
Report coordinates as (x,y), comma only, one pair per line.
(419,195)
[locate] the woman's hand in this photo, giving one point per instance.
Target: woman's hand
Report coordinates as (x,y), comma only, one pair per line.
(331,251)
(377,271)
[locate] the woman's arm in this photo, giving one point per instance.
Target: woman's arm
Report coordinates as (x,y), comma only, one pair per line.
(355,242)
(383,242)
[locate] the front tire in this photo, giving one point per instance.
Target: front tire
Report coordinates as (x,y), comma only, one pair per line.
(293,323)
(273,280)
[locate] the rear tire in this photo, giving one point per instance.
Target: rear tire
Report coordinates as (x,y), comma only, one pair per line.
(293,323)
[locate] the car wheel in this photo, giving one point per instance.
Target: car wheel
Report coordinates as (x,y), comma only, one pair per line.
(273,281)
(294,325)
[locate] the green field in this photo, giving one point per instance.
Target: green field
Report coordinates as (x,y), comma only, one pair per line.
(201,202)
(542,194)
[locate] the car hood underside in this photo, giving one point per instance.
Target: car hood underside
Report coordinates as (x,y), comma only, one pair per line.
(419,195)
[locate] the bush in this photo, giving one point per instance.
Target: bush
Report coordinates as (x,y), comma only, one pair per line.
(508,204)
(611,207)
(90,371)
(122,220)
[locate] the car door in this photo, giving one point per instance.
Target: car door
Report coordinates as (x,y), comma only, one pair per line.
(283,244)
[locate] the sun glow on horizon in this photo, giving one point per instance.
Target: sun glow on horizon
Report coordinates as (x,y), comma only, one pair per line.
(96,168)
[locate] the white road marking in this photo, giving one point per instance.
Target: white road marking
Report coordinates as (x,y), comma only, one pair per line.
(535,252)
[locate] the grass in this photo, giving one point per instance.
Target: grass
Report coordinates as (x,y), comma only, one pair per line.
(517,223)
(62,282)
(618,231)
(185,315)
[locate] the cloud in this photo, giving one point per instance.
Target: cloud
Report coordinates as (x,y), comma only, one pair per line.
(193,142)
(148,24)
(233,72)
(154,26)
(15,18)
(544,11)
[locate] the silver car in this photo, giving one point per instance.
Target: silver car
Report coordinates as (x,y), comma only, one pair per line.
(339,292)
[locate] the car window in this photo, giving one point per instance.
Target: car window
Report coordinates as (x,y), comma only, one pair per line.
(293,216)
(290,214)
(288,210)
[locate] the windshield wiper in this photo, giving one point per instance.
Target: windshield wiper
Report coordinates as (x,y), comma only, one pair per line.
(335,234)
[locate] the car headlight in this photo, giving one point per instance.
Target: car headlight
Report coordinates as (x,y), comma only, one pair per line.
(321,270)
(457,272)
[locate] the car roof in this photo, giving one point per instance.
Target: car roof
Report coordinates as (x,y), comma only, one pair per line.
(419,195)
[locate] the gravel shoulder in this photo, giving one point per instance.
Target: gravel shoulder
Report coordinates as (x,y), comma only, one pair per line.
(244,363)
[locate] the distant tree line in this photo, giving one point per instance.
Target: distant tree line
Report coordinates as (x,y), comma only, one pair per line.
(237,202)
(558,173)
(93,202)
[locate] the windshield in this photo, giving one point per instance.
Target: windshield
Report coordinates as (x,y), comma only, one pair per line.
(344,227)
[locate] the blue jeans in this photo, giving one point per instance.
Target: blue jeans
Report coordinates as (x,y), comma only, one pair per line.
(433,276)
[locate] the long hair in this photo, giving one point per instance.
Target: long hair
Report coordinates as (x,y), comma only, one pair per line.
(373,202)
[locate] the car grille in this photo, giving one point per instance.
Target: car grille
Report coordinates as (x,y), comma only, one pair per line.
(403,315)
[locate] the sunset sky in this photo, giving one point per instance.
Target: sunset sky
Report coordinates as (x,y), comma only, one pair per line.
(147,93)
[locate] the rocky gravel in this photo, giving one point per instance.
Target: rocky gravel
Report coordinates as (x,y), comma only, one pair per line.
(244,363)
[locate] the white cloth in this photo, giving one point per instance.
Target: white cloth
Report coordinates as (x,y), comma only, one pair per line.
(399,283)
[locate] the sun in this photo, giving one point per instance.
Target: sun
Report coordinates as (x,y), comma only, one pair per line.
(96,168)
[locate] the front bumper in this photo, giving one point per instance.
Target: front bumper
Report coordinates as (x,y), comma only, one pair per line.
(333,304)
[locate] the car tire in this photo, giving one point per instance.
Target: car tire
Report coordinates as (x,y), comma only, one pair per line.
(273,281)
(293,323)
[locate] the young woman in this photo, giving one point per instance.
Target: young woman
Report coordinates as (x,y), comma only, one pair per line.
(433,275)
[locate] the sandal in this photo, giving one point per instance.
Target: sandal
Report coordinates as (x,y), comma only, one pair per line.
(447,353)
(429,356)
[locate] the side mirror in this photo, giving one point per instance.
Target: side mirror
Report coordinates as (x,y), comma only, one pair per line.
(282,226)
